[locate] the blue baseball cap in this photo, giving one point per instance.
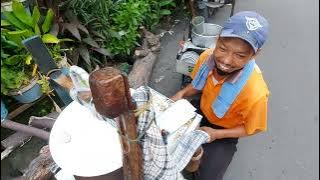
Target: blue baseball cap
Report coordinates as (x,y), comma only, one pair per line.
(249,26)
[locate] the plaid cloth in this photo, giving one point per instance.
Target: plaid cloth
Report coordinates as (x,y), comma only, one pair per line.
(158,163)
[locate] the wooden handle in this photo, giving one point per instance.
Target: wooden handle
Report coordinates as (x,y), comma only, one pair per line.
(111,97)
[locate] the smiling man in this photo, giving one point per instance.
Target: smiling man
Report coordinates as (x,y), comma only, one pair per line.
(234,94)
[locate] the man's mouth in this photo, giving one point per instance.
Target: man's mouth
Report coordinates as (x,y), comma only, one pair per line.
(224,67)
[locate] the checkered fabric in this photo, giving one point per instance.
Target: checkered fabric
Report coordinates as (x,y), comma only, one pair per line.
(158,164)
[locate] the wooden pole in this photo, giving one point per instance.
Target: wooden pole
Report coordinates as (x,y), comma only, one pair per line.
(111,97)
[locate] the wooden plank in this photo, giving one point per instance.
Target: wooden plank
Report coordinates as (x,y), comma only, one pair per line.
(15,139)
(21,109)
(12,142)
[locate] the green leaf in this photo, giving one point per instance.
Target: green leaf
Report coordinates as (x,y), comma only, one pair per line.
(4,23)
(28,59)
(13,60)
(65,40)
(4,55)
(11,79)
(165,12)
(13,20)
(22,33)
(15,38)
(90,42)
(114,34)
(20,12)
(37,29)
(8,42)
(49,38)
(35,15)
(164,3)
(47,21)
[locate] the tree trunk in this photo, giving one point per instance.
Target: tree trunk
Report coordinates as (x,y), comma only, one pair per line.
(141,71)
(146,58)
(39,168)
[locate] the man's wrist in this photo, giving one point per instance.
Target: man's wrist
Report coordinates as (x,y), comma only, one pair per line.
(181,94)
(218,134)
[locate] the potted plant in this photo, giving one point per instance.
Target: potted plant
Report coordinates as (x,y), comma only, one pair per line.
(17,79)
(20,76)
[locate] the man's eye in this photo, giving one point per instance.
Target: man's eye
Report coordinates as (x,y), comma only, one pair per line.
(222,49)
(240,56)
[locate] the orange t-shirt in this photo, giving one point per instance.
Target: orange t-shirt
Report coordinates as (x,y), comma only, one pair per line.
(248,109)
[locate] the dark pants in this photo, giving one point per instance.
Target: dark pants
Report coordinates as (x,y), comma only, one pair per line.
(217,154)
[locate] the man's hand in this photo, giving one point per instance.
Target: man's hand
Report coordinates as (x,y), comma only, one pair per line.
(177,96)
(186,92)
(213,133)
(235,132)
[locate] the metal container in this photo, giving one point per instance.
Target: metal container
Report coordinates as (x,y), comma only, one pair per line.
(29,93)
(198,24)
(208,38)
(186,62)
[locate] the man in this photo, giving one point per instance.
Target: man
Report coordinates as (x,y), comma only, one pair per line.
(234,94)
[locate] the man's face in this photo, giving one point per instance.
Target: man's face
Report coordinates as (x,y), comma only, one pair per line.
(231,54)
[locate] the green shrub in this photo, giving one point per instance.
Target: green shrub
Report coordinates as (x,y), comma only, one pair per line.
(118,23)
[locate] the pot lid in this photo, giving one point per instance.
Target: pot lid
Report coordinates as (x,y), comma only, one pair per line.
(83,145)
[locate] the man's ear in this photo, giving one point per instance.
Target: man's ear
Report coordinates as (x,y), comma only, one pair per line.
(256,54)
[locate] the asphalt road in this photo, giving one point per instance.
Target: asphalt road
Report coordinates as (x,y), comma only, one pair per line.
(290,64)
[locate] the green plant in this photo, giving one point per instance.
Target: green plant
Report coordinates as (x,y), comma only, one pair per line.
(157,9)
(88,44)
(128,16)
(16,63)
(14,68)
(126,19)
(103,28)
(45,85)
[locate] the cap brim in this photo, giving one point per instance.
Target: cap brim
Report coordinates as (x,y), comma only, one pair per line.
(228,33)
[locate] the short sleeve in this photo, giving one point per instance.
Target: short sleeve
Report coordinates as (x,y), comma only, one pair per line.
(256,120)
(200,61)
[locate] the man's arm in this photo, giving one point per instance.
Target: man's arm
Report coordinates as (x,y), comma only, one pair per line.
(235,132)
(185,92)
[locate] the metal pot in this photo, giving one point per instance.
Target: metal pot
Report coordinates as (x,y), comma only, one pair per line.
(29,93)
(208,38)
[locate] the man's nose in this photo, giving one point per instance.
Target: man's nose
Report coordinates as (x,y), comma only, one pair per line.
(227,59)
